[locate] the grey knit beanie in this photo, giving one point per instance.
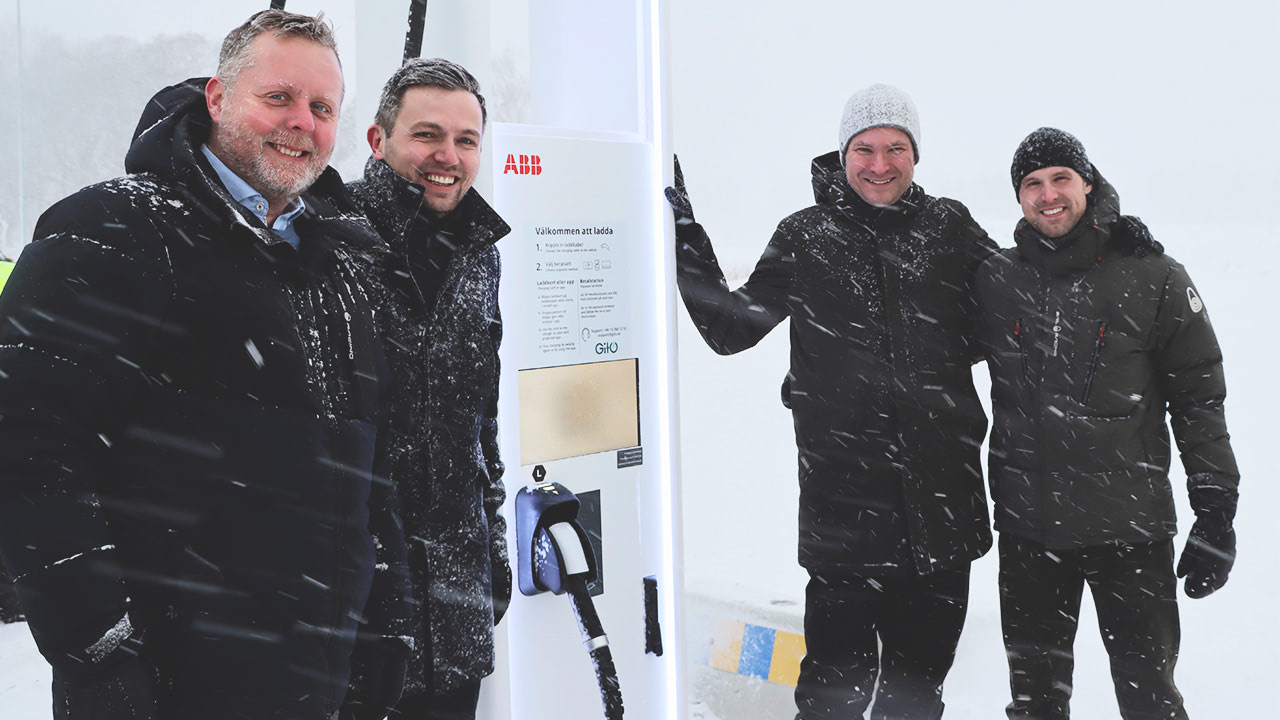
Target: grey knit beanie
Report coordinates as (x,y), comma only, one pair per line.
(879,106)
(1049,147)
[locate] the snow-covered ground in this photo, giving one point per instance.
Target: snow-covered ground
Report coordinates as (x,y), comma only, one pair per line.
(24,676)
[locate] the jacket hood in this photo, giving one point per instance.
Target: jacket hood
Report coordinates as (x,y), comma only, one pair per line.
(1130,236)
(831,187)
(828,177)
(173,126)
(1104,199)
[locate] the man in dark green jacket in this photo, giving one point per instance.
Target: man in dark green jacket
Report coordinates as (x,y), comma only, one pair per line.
(1091,333)
(437,301)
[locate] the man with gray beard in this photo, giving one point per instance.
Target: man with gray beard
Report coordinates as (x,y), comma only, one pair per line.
(190,390)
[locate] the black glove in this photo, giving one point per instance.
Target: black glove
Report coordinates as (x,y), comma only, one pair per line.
(678,197)
(378,667)
(501,588)
(119,687)
(1211,547)
(1207,558)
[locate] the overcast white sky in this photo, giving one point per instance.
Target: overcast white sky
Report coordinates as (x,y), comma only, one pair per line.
(1173,100)
(143,18)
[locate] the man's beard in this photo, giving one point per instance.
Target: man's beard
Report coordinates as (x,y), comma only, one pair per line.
(278,179)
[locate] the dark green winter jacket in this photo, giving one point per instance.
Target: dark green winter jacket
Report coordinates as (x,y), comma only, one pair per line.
(1090,339)
(437,301)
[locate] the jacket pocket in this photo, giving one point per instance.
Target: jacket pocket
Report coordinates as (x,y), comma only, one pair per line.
(1092,369)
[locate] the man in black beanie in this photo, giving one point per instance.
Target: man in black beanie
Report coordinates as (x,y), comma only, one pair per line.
(1090,332)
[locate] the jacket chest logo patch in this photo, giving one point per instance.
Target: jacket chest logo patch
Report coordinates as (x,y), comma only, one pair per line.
(1193,300)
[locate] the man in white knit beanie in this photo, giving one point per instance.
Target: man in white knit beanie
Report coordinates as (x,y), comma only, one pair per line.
(876,277)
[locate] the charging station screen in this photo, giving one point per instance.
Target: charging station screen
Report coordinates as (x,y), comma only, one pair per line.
(573,410)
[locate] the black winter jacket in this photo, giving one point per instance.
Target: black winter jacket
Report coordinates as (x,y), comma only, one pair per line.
(189,417)
(887,419)
(444,356)
(1089,339)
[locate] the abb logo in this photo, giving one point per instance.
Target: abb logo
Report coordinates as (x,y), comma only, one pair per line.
(523,165)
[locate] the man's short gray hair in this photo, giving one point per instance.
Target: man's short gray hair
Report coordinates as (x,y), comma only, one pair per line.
(419,72)
(235,56)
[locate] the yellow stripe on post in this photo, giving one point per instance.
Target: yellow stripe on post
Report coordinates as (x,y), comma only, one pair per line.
(788,650)
(6,267)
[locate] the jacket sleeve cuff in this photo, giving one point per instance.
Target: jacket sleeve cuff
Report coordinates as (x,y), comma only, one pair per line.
(1211,502)
(119,643)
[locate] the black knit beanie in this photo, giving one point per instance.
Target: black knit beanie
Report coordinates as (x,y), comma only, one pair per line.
(1049,147)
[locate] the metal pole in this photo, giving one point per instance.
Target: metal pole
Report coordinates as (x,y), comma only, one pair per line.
(417,25)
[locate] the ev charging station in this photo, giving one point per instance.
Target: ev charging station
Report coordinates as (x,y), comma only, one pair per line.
(588,384)
(587,413)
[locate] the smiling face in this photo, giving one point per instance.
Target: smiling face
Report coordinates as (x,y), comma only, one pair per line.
(880,164)
(1054,199)
(434,142)
(275,126)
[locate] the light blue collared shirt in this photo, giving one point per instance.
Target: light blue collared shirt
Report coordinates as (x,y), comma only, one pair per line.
(254,202)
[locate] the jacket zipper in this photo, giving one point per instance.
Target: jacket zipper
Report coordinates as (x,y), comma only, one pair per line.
(1093,362)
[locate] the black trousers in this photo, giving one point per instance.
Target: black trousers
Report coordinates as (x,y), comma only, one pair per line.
(1134,593)
(457,704)
(899,631)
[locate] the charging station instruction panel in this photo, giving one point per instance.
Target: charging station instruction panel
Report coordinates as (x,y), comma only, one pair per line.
(572,250)
(581,308)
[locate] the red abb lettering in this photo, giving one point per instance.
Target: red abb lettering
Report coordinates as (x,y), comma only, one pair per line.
(522,165)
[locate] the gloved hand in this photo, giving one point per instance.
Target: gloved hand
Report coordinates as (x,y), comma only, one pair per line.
(1211,547)
(378,667)
(678,197)
(1207,558)
(121,686)
(501,588)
